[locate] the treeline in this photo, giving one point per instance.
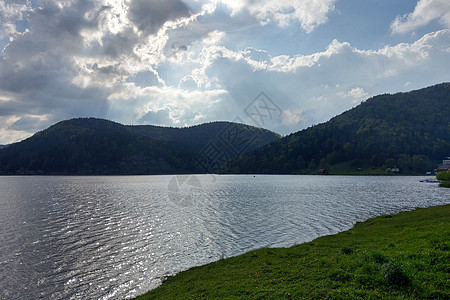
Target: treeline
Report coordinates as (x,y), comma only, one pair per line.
(96,146)
(407,130)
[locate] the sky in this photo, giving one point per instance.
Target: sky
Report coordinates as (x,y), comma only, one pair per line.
(282,65)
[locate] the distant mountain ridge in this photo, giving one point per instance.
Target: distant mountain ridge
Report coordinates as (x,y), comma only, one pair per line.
(97,146)
(410,131)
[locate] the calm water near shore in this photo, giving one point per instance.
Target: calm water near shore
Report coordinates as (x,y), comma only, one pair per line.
(115,237)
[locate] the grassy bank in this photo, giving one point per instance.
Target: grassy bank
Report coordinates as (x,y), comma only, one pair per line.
(445,177)
(402,255)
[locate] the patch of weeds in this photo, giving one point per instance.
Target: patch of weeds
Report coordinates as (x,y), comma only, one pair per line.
(340,276)
(439,245)
(438,295)
(369,268)
(445,184)
(412,256)
(338,294)
(394,275)
(269,251)
(379,258)
(436,258)
(363,279)
(347,250)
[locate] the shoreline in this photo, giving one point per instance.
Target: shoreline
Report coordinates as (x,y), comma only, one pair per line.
(385,256)
(214,174)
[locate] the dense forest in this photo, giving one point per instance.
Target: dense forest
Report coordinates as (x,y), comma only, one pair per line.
(97,146)
(410,131)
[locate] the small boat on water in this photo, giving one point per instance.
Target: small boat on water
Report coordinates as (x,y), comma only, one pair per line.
(431,180)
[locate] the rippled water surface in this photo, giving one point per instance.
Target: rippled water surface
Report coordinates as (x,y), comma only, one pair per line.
(116,237)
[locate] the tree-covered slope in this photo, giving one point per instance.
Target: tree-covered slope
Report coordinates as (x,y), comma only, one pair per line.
(96,146)
(195,137)
(409,130)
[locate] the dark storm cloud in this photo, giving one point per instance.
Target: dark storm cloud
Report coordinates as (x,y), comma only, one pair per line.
(116,44)
(150,15)
(41,58)
(43,69)
(37,68)
(62,100)
(61,24)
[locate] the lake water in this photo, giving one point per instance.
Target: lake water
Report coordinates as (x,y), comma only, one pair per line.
(117,237)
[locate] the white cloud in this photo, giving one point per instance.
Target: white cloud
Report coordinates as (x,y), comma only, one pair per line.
(357,94)
(10,136)
(291,118)
(157,117)
(424,12)
(77,55)
(115,59)
(325,83)
(309,13)
(10,12)
(131,102)
(214,37)
(387,61)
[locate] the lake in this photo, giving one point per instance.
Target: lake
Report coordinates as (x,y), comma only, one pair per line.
(115,237)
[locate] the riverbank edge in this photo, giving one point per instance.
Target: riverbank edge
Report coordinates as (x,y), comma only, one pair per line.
(401,255)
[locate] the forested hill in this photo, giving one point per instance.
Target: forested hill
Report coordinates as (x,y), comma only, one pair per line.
(408,130)
(97,146)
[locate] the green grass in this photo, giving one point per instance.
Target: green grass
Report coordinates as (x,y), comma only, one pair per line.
(396,256)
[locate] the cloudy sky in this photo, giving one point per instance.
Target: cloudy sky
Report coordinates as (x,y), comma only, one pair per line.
(186,62)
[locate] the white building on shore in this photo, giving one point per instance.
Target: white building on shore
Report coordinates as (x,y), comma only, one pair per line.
(445,165)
